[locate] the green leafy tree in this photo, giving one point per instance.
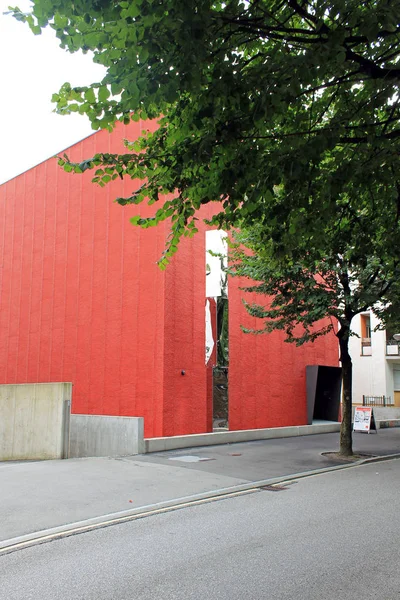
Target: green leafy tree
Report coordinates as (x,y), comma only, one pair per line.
(313,292)
(301,94)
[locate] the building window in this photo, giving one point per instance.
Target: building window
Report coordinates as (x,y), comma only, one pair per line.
(392,344)
(366,335)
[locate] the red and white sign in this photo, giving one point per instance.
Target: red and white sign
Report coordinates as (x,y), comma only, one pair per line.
(362,418)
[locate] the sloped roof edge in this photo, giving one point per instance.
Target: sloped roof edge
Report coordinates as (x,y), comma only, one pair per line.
(50,157)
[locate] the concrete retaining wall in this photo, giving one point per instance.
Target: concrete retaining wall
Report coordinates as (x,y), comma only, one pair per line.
(230,437)
(99,435)
(387,416)
(32,420)
(386,413)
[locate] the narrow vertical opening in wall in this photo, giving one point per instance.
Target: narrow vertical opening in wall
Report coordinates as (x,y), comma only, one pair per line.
(217,333)
(366,334)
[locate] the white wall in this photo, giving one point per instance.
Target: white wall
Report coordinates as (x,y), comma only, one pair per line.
(372,375)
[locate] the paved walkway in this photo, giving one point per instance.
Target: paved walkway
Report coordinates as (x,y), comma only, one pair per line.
(39,495)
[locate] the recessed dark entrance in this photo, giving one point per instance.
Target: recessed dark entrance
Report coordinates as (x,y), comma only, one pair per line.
(323,392)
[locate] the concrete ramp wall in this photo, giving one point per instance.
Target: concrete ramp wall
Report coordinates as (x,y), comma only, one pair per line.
(386,413)
(99,435)
(33,420)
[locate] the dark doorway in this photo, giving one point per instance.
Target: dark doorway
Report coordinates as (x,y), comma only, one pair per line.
(323,392)
(220,397)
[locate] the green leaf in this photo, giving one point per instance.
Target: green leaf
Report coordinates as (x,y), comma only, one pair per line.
(103,93)
(90,95)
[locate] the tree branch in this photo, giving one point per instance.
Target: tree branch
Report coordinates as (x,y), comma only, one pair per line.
(371,68)
(311,19)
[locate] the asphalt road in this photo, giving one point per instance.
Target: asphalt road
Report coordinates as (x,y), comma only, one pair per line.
(329,536)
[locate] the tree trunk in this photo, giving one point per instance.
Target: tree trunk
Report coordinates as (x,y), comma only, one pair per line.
(346,443)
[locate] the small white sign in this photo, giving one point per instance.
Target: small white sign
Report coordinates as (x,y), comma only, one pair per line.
(362,418)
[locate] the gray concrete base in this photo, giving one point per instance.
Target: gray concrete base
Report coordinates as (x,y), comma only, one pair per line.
(101,435)
(32,420)
(230,437)
(384,424)
(387,413)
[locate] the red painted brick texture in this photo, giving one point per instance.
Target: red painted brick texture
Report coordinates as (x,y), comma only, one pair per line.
(267,377)
(82,300)
(81,296)
(185,382)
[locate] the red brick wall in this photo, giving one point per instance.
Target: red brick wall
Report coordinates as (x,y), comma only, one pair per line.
(185,396)
(82,300)
(267,377)
(81,296)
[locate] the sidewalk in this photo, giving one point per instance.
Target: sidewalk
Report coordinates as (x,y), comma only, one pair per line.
(39,495)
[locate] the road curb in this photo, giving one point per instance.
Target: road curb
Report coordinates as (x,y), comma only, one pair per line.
(375,459)
(107,520)
(216,438)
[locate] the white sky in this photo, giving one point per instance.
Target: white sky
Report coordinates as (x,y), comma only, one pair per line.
(32,68)
(216,242)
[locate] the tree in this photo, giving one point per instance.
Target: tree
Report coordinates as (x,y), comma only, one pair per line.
(300,94)
(310,293)
(282,112)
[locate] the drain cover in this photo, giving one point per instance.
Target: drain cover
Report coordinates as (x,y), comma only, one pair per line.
(191,459)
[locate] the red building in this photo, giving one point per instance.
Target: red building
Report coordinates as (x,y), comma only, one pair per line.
(82,300)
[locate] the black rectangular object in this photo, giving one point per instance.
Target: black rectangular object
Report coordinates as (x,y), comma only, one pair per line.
(323,392)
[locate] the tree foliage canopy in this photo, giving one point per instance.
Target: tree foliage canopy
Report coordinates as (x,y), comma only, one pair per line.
(300,293)
(357,270)
(282,110)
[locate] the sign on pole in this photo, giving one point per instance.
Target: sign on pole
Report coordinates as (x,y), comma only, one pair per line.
(364,419)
